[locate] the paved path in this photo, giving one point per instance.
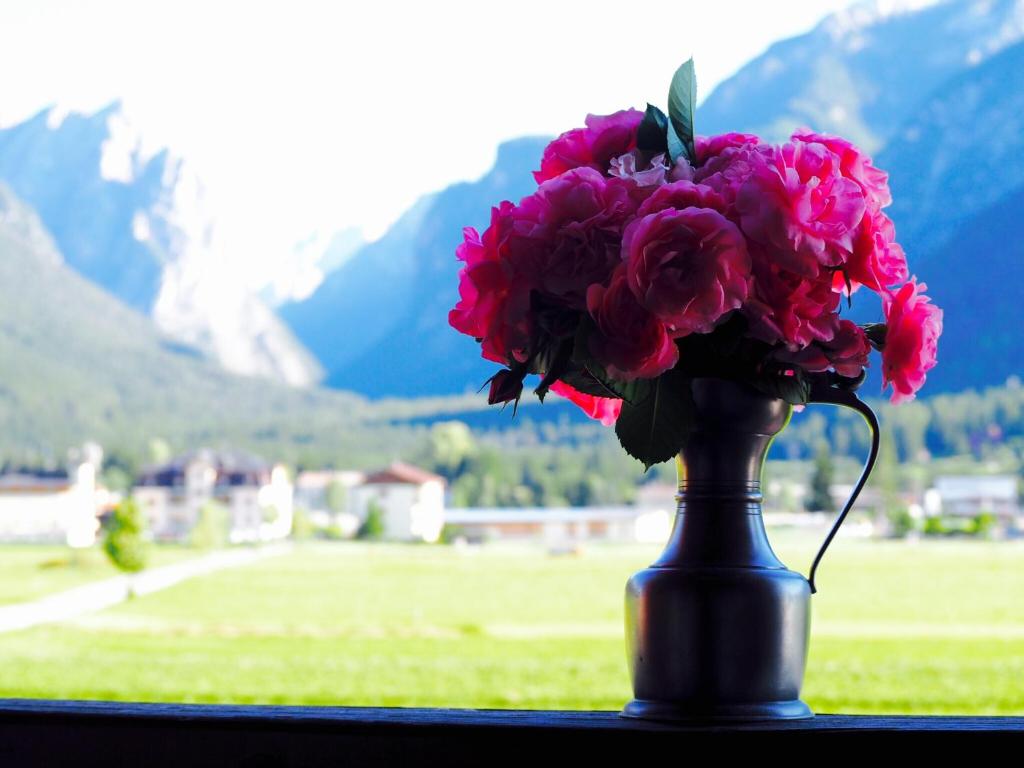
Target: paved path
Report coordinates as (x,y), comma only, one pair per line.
(102,594)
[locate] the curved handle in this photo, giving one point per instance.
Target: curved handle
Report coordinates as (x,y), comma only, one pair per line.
(823,392)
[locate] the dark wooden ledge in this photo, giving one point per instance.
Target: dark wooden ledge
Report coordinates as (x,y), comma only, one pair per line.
(45,732)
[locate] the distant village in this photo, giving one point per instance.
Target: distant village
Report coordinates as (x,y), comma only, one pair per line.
(261,502)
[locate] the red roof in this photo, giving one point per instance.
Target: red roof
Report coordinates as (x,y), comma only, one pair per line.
(402,473)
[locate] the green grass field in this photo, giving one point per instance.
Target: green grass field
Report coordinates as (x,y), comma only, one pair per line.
(931,627)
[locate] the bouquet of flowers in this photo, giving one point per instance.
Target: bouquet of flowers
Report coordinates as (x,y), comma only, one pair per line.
(649,256)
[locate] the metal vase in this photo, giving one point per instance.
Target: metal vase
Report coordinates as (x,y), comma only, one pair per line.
(717,629)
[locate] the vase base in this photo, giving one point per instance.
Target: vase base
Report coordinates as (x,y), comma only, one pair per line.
(667,711)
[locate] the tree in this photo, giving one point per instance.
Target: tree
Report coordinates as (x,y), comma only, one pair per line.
(372,528)
(124,543)
(211,529)
(336,496)
(820,498)
(302,526)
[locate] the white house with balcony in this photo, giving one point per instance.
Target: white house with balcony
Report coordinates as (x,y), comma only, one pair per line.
(256,495)
(410,500)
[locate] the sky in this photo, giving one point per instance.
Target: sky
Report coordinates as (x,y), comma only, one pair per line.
(305,117)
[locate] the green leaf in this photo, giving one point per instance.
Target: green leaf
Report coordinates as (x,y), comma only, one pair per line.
(651,135)
(876,333)
(556,363)
(682,104)
(795,389)
(676,149)
(656,429)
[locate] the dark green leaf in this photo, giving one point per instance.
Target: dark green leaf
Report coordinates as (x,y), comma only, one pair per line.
(682,104)
(795,389)
(876,334)
(651,135)
(656,429)
(556,364)
(584,381)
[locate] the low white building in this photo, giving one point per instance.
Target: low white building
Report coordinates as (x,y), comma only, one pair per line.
(257,496)
(410,500)
(563,527)
(55,506)
(973,495)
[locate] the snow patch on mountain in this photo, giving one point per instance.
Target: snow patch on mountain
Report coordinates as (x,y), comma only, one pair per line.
(136,220)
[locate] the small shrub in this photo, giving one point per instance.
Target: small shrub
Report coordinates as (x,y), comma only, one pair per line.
(124,542)
(372,528)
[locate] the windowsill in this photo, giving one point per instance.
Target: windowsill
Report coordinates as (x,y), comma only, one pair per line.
(49,732)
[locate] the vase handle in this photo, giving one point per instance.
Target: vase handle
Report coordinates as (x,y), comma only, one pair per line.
(823,392)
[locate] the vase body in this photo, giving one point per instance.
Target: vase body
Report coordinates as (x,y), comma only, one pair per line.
(718,628)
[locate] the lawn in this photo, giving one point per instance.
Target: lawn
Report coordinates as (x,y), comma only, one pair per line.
(898,627)
(31,571)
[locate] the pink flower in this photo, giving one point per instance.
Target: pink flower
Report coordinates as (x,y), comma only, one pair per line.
(913,327)
(689,267)
(625,167)
(796,203)
(682,194)
(712,146)
(854,165)
(877,260)
(506,386)
(726,171)
(787,307)
(603,409)
(846,353)
(605,137)
(568,234)
(493,306)
(627,340)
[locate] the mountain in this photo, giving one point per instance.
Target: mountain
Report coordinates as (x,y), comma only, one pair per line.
(936,91)
(379,325)
(77,363)
(958,155)
(862,72)
(134,222)
(975,275)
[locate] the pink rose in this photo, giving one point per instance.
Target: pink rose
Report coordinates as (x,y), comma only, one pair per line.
(712,146)
(568,234)
(605,137)
(625,167)
(787,307)
(726,171)
(603,409)
(846,353)
(627,340)
(877,260)
(682,194)
(913,327)
(494,305)
(689,267)
(854,165)
(797,204)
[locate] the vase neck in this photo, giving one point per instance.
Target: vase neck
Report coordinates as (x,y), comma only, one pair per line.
(718,520)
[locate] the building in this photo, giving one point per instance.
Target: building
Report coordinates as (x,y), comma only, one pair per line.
(256,496)
(563,527)
(410,501)
(55,506)
(973,495)
(326,496)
